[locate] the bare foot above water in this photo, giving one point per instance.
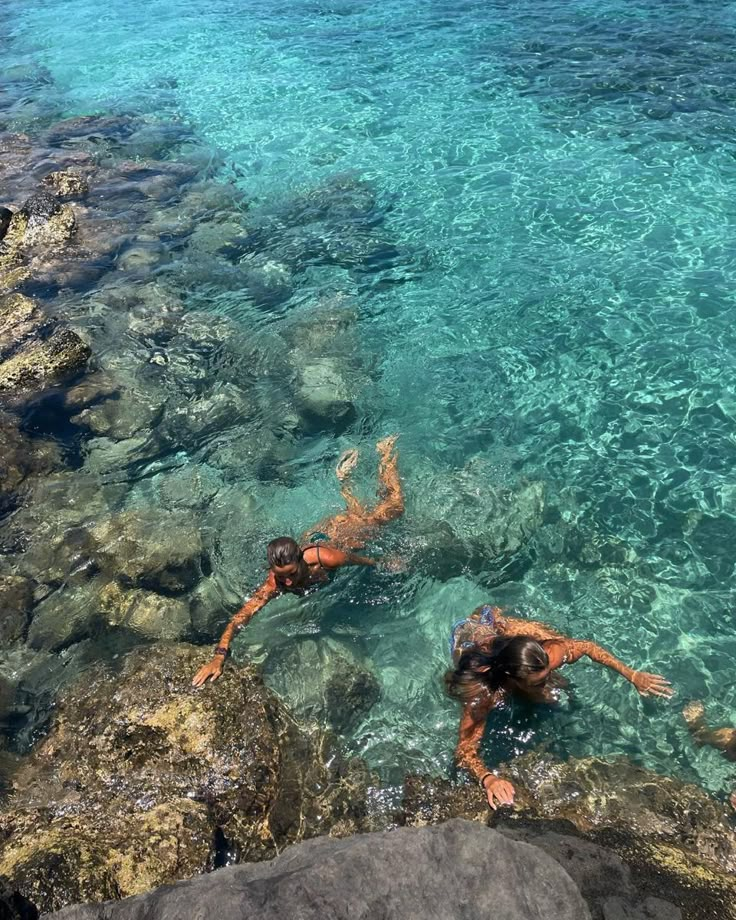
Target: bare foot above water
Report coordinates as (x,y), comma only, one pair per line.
(346,464)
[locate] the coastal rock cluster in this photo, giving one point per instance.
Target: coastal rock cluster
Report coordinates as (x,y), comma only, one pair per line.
(142,781)
(678,842)
(147,435)
(457,870)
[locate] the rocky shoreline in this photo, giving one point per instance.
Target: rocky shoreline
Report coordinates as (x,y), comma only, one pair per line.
(130,417)
(141,782)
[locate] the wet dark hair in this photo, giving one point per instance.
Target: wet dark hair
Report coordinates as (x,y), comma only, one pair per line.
(283,551)
(517,657)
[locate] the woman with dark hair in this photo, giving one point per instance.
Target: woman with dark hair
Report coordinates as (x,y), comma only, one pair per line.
(300,567)
(494,656)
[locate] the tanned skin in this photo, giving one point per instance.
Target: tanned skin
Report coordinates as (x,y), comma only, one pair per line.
(351,528)
(560,650)
(723,739)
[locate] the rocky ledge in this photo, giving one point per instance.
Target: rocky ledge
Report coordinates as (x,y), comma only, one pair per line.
(677,841)
(143,781)
(460,869)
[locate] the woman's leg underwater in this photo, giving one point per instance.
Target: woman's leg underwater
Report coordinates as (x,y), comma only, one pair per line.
(391,503)
(351,529)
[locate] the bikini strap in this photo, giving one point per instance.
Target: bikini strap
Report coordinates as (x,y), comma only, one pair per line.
(313,546)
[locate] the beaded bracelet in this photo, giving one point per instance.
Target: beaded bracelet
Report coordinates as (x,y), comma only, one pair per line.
(483,778)
(222,650)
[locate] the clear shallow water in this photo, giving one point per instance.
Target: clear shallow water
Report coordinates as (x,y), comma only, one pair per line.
(550,299)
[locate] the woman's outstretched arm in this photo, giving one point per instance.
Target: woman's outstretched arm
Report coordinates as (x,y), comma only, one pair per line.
(513,626)
(647,684)
(472,726)
(213,669)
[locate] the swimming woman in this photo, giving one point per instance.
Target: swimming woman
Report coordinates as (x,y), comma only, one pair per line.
(299,568)
(495,656)
(723,739)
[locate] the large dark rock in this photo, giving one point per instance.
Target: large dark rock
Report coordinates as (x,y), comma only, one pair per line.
(612,888)
(459,870)
(676,838)
(143,780)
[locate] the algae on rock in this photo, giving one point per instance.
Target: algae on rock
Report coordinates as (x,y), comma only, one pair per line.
(141,778)
(35,351)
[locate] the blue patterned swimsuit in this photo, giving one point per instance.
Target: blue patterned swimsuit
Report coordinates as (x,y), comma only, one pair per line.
(481,624)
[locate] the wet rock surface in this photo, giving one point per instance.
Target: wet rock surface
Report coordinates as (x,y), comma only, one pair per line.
(147,549)
(36,352)
(143,780)
(459,869)
(678,842)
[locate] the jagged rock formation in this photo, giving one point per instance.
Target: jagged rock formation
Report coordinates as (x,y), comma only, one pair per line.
(142,781)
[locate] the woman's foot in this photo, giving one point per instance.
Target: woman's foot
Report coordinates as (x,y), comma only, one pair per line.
(386,445)
(346,464)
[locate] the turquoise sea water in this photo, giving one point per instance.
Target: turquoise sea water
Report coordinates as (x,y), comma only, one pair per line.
(543,270)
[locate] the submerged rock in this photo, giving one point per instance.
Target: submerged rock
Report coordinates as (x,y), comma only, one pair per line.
(143,780)
(16,600)
(324,682)
(20,458)
(325,395)
(147,549)
(93,389)
(86,127)
(66,616)
(151,615)
(121,417)
(479,525)
(458,870)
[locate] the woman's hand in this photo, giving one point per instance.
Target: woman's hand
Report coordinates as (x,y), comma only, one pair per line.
(499,791)
(210,671)
(651,684)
